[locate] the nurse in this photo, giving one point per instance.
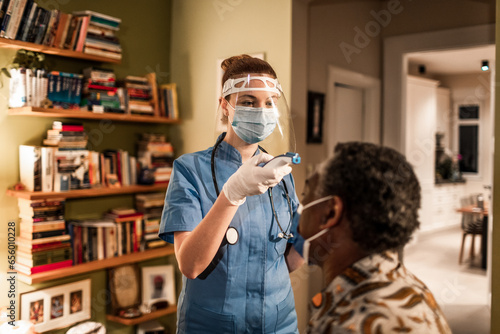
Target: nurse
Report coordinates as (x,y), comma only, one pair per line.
(232,221)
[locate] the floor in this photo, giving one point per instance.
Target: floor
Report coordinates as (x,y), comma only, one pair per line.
(461,290)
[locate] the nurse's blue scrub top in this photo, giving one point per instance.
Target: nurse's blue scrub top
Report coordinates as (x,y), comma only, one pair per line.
(249,290)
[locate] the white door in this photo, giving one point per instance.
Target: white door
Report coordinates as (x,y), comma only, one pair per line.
(349,107)
(353,112)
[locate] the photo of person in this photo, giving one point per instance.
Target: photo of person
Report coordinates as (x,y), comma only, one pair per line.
(56,307)
(36,311)
(75,301)
(158,284)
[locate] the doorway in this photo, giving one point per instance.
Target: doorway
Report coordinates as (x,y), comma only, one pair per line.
(402,55)
(353,101)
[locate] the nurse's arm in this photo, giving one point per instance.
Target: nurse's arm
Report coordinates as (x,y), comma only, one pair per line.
(195,250)
(293,259)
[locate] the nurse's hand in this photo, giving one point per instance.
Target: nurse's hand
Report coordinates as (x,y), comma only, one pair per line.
(251,179)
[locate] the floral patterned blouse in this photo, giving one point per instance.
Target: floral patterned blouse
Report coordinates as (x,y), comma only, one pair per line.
(377,294)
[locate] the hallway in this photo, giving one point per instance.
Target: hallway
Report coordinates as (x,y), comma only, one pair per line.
(460,290)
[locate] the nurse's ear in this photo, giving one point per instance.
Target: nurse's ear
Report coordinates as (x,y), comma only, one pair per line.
(224,105)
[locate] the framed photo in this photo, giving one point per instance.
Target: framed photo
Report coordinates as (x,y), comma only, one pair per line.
(124,286)
(315,105)
(56,307)
(158,286)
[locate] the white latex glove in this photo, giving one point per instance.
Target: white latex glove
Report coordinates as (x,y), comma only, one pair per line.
(251,179)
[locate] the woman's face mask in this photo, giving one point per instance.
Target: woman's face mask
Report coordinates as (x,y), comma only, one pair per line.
(307,242)
(253,125)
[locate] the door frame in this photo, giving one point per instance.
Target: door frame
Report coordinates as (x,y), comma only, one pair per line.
(371,87)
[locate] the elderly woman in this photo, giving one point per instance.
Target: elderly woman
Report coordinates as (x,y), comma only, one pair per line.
(366,200)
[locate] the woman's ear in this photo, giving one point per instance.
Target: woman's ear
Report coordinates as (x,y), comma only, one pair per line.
(334,212)
(223,103)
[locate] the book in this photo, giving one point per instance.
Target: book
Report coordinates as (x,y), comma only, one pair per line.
(17,88)
(100,20)
(52,24)
(7,16)
(30,167)
(43,226)
(41,235)
(15,20)
(26,270)
(47,168)
(82,34)
(62,29)
(43,258)
(27,25)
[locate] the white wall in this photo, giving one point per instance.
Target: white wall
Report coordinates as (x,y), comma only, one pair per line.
(206,31)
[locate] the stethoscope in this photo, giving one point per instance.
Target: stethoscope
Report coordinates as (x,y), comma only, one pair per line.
(232,235)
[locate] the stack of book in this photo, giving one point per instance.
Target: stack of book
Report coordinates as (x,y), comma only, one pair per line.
(151,205)
(43,243)
(68,136)
(85,31)
(155,153)
(140,95)
(100,93)
(129,232)
(100,38)
(64,89)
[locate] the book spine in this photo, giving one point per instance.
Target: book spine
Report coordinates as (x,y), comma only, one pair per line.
(15,20)
(26,26)
(82,34)
(7,17)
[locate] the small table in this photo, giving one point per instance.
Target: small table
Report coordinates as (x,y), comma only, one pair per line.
(484,242)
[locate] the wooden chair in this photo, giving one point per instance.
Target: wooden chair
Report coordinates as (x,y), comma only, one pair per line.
(472,224)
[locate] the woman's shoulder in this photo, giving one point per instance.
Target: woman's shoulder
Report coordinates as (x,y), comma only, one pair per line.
(190,158)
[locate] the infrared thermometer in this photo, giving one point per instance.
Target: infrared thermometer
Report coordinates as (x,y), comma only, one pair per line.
(288,158)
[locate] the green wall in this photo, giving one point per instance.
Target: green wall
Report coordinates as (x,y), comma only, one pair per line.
(145,38)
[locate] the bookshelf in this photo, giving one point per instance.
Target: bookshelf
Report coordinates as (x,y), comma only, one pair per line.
(134,63)
(83,193)
(146,317)
(97,265)
(17,45)
(82,114)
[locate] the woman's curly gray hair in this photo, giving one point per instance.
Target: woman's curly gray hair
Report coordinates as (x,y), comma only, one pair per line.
(380,191)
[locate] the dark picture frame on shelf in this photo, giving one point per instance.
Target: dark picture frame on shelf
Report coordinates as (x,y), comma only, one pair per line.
(56,307)
(315,106)
(124,287)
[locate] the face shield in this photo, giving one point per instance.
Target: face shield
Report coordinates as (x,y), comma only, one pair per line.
(254,108)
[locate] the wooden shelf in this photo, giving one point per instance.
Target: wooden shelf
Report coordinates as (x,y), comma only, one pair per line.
(82,193)
(146,317)
(82,114)
(96,265)
(17,45)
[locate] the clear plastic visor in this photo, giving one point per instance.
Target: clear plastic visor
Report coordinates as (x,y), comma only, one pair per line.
(254,109)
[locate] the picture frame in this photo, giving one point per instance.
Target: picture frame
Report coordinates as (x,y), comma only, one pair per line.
(56,307)
(124,287)
(315,106)
(158,286)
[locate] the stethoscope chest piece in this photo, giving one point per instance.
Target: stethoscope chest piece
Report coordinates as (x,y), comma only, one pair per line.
(232,235)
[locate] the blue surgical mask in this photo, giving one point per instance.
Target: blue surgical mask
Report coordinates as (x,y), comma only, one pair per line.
(253,125)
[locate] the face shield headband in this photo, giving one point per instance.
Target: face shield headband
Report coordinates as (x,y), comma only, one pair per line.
(242,85)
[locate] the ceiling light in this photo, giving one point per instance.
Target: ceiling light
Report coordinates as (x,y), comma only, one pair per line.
(484,65)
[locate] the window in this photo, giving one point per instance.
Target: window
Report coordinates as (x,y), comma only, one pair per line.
(468,138)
